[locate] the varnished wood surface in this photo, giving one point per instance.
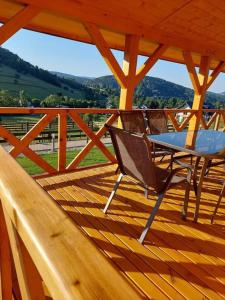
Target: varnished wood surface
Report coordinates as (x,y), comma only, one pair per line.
(181,24)
(179,259)
(68,263)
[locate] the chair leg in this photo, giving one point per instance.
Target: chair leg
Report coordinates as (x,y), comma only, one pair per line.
(170,166)
(186,197)
(218,203)
(151,218)
(113,192)
(146,192)
(208,168)
(117,170)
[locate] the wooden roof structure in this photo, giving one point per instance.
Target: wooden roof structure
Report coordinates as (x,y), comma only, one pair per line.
(196,26)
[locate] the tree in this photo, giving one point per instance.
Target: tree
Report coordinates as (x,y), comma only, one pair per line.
(23,98)
(6,99)
(52,101)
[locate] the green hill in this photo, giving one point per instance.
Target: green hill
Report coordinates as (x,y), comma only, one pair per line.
(17,74)
(154,87)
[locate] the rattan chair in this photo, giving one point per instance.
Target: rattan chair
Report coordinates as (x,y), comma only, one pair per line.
(134,156)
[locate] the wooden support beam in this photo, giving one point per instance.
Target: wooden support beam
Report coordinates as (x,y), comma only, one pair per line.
(91,144)
(217,123)
(106,53)
(95,138)
(62,138)
(30,282)
(199,82)
(17,22)
(212,119)
(18,258)
(143,70)
(27,151)
(129,69)
(68,262)
(215,73)
(5,260)
(173,120)
(204,73)
(192,72)
(186,121)
(30,136)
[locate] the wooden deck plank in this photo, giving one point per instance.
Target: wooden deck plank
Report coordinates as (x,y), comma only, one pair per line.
(178,260)
(191,267)
(88,224)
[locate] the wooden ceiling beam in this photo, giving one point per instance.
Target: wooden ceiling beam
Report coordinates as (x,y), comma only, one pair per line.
(120,23)
(17,22)
(150,62)
(106,53)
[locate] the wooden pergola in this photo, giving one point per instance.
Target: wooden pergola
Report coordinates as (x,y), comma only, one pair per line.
(46,243)
(183,31)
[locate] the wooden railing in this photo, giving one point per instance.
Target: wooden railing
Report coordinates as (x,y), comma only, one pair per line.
(47,247)
(70,268)
(215,119)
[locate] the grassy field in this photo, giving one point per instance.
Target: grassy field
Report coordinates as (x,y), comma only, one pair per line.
(95,156)
(34,87)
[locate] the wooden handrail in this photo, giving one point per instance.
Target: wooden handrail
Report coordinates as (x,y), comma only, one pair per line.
(67,261)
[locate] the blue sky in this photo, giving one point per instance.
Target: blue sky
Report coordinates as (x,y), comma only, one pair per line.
(57,54)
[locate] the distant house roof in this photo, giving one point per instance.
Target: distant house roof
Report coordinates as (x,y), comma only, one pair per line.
(186,105)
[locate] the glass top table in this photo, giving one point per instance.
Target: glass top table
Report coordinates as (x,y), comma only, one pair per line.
(206,144)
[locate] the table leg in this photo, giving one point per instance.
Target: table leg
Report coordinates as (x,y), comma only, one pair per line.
(199,188)
(195,173)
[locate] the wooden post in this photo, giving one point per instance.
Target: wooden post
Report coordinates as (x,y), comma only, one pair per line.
(5,261)
(128,78)
(201,81)
(129,69)
(62,139)
(29,280)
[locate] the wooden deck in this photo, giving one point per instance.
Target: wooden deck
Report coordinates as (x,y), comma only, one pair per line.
(179,259)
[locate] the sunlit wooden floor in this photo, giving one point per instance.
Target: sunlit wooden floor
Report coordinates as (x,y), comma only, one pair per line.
(179,259)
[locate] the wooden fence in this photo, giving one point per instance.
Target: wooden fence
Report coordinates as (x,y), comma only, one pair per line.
(209,119)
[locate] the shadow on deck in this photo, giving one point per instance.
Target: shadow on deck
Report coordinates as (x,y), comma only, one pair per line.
(179,259)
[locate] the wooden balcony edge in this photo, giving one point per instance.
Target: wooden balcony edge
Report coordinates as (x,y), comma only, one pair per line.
(68,262)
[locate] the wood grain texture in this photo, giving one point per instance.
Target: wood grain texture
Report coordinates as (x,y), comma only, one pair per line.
(62,138)
(178,259)
(195,26)
(17,22)
(70,265)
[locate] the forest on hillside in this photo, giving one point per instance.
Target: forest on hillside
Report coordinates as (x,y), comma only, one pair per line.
(22,84)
